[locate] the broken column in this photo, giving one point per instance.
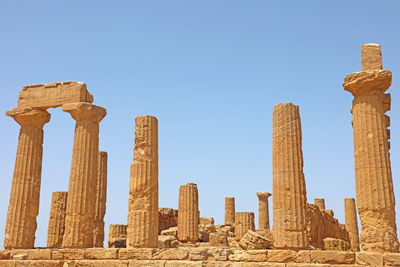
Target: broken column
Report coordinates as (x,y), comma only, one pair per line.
(229,210)
(374,185)
(101,194)
(289,188)
(143,189)
(320,203)
(263,210)
(81,200)
(117,236)
(351,223)
(23,207)
(244,221)
(188,213)
(55,230)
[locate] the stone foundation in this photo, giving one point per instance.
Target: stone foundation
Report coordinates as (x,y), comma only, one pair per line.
(195,256)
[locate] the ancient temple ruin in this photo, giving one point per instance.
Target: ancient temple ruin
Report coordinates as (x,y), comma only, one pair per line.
(302,234)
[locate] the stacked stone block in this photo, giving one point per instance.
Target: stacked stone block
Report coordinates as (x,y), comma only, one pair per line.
(56,227)
(188,213)
(229,210)
(289,189)
(374,184)
(244,221)
(143,189)
(117,235)
(320,203)
(263,210)
(83,177)
(350,214)
(23,207)
(101,194)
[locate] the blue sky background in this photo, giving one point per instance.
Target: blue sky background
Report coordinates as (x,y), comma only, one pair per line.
(211,71)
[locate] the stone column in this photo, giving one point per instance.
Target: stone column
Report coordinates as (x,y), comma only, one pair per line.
(289,188)
(244,221)
(188,213)
(320,203)
(55,230)
(351,223)
(101,194)
(143,188)
(117,236)
(25,189)
(374,185)
(229,210)
(81,202)
(263,210)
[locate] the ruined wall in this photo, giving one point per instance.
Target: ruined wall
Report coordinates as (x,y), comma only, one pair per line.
(321,224)
(167,218)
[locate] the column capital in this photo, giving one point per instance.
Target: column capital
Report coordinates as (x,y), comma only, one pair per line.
(263,195)
(29,116)
(85,111)
(364,82)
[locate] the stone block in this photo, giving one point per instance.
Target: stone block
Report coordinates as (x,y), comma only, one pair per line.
(391,259)
(172,254)
(4,254)
(252,240)
(147,263)
(249,255)
(332,257)
(68,254)
(39,263)
(136,253)
(167,242)
(39,254)
(53,95)
(101,253)
(302,256)
(183,264)
(218,239)
(374,259)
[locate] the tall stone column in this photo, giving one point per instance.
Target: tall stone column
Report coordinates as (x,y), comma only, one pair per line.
(374,185)
(289,188)
(244,221)
(56,227)
(351,223)
(23,207)
(143,189)
(188,213)
(81,202)
(263,210)
(229,210)
(101,194)
(320,203)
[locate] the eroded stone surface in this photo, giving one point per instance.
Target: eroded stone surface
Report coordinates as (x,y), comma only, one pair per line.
(101,194)
(188,213)
(117,236)
(229,210)
(252,240)
(263,210)
(244,221)
(55,230)
(351,222)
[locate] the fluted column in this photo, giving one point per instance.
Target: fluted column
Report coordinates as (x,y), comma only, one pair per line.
(56,227)
(101,194)
(289,189)
(374,185)
(116,235)
(23,207)
(81,200)
(188,213)
(229,210)
(143,189)
(351,223)
(244,221)
(320,203)
(263,210)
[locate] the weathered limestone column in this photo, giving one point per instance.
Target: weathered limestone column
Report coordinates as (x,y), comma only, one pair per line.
(374,185)
(25,189)
(351,223)
(143,188)
(55,230)
(263,210)
(117,236)
(81,202)
(320,203)
(289,188)
(101,194)
(188,213)
(229,210)
(244,221)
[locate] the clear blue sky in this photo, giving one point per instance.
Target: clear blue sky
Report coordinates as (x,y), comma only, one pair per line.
(211,71)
